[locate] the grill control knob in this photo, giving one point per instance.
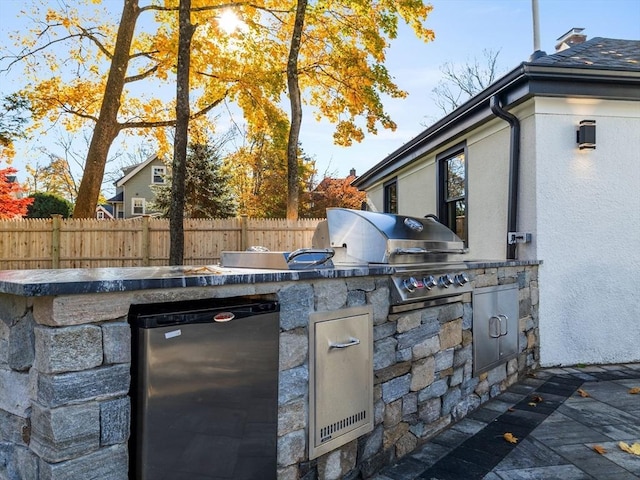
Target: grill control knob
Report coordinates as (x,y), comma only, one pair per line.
(429,282)
(446,281)
(410,284)
(462,278)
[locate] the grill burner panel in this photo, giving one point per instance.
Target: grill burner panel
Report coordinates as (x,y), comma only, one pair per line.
(419,285)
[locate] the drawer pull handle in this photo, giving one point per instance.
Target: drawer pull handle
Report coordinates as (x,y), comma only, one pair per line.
(350,343)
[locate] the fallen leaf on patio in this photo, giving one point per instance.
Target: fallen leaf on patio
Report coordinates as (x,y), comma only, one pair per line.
(511,409)
(582,393)
(532,404)
(634,391)
(510,438)
(633,449)
(536,399)
(600,449)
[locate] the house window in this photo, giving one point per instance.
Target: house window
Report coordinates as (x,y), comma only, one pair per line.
(158,175)
(100,215)
(137,206)
(452,187)
(391,196)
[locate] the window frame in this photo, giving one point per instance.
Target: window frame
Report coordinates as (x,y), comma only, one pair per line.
(444,202)
(162,176)
(142,205)
(390,204)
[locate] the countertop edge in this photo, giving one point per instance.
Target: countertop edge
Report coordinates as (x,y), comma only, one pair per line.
(36,283)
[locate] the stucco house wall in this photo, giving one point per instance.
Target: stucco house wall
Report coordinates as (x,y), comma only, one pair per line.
(588,232)
(582,207)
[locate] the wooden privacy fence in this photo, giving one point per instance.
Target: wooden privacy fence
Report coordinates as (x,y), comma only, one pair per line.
(87,243)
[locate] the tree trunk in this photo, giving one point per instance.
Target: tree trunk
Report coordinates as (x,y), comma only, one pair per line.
(176,210)
(296,112)
(107,127)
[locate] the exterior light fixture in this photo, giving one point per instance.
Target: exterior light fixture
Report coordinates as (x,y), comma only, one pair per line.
(586,135)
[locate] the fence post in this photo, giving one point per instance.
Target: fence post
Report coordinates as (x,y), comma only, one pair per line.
(244,233)
(55,240)
(146,245)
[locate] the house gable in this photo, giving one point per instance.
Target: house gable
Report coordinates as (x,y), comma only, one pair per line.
(134,189)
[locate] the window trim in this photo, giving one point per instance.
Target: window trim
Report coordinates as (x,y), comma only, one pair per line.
(441,161)
(387,200)
(142,204)
(163,175)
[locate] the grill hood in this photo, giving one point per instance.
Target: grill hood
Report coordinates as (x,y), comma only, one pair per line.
(360,237)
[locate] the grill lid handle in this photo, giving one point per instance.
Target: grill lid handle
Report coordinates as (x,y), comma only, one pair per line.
(411,251)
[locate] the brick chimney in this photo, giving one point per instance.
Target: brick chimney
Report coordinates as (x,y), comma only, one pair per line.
(352,172)
(569,39)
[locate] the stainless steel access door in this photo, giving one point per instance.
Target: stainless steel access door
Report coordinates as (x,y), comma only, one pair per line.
(495,326)
(206,400)
(340,378)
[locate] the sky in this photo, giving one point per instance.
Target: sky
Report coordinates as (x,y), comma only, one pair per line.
(463,29)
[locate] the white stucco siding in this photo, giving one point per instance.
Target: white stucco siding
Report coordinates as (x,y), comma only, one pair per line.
(417,189)
(375,197)
(487,191)
(588,233)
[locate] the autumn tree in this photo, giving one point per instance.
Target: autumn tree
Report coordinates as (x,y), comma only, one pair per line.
(87,93)
(13,118)
(207,189)
(12,203)
(176,210)
(340,68)
(55,178)
(334,192)
(258,173)
(461,82)
(295,101)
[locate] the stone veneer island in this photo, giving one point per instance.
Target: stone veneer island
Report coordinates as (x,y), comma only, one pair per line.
(65,359)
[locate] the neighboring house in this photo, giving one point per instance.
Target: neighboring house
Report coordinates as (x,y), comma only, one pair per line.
(133,189)
(551,149)
(104,212)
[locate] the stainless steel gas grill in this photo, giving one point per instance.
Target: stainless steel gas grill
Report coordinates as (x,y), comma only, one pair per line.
(423,255)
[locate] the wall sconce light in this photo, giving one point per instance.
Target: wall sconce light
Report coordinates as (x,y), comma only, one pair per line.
(586,135)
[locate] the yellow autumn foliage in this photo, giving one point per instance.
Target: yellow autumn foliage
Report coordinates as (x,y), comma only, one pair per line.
(341,64)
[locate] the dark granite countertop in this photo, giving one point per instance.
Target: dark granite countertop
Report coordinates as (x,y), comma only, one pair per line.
(34,283)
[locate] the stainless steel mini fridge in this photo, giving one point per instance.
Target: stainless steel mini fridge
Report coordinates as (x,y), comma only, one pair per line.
(205,390)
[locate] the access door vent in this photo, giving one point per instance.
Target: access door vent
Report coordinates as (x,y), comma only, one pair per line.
(340,378)
(327,433)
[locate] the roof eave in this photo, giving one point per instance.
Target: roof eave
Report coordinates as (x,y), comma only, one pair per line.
(523,82)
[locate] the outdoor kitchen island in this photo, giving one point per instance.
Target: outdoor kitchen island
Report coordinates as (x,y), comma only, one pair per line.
(65,410)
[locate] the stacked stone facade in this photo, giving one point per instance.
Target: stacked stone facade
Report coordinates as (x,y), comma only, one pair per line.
(423,370)
(65,410)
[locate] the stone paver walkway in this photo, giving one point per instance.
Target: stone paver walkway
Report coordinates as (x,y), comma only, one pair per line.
(555,425)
